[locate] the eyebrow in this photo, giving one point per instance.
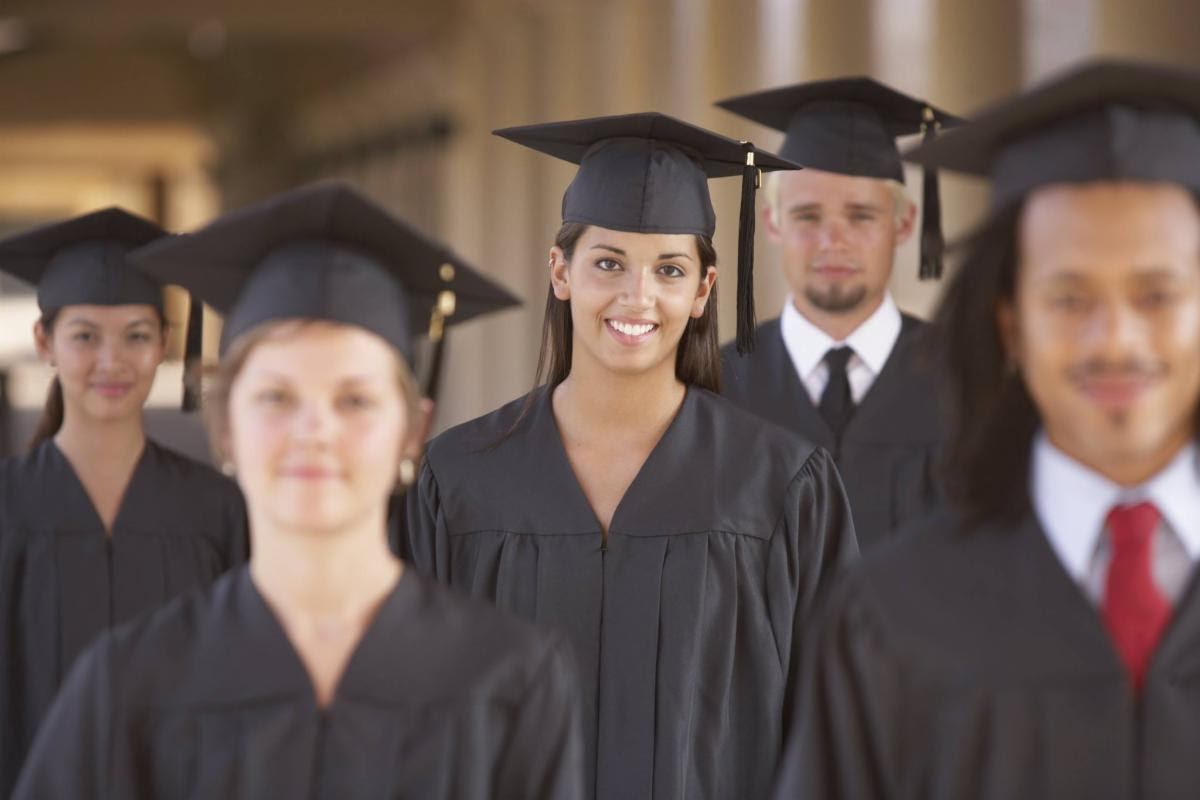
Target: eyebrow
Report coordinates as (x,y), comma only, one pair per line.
(269,374)
(816,206)
(620,252)
(1144,273)
(92,324)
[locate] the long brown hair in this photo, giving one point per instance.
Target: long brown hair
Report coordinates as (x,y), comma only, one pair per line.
(697,361)
(52,411)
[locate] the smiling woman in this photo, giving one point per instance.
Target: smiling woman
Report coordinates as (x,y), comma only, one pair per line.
(97,522)
(679,543)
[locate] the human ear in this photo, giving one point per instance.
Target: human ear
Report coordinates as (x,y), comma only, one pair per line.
(559,274)
(704,292)
(41,341)
(907,223)
(771,223)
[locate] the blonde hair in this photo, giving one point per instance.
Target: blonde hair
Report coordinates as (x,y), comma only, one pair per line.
(219,379)
(901,201)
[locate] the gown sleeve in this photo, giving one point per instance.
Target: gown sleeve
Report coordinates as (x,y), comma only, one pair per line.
(851,711)
(72,752)
(543,759)
(422,534)
(812,543)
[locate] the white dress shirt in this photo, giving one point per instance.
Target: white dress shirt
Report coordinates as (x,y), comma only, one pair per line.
(872,343)
(1072,502)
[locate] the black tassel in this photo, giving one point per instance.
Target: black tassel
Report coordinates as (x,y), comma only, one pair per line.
(192,350)
(745,264)
(435,368)
(933,246)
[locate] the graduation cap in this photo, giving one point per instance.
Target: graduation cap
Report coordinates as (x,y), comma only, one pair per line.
(82,261)
(849,126)
(326,252)
(1104,120)
(648,173)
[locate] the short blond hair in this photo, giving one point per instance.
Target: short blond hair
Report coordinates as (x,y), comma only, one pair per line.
(901,201)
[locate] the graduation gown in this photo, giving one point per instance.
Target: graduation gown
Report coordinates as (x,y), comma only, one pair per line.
(966,663)
(888,452)
(687,625)
(443,698)
(63,581)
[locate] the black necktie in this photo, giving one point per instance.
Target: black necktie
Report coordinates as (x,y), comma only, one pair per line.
(836,406)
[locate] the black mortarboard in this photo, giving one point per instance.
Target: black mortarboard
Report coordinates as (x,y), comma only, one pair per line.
(850,126)
(326,252)
(648,173)
(1104,120)
(82,261)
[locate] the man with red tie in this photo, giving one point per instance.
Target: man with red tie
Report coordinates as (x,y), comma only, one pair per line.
(1042,638)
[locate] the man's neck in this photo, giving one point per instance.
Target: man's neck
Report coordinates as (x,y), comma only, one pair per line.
(1127,470)
(837,325)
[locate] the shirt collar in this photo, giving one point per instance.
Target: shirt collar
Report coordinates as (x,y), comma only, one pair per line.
(1072,501)
(1176,492)
(872,341)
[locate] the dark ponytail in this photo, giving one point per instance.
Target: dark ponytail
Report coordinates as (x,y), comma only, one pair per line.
(52,412)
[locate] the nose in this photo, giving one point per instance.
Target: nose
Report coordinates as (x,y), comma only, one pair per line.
(110,353)
(313,422)
(1114,330)
(832,233)
(639,289)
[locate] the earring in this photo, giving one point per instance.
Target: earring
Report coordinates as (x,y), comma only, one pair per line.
(228,469)
(408,472)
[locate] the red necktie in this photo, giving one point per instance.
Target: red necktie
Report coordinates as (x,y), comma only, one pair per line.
(1135,610)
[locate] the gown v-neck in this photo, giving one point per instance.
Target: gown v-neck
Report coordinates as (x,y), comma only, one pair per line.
(83,497)
(686,628)
(208,698)
(642,469)
(64,579)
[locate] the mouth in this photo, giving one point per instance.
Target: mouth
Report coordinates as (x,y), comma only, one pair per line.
(111,389)
(1115,394)
(314,474)
(836,271)
(631,332)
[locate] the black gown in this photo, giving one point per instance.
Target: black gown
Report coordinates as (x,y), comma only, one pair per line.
(888,453)
(442,698)
(968,664)
(687,626)
(63,581)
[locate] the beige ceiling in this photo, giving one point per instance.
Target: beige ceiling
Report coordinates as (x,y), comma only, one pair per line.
(174,60)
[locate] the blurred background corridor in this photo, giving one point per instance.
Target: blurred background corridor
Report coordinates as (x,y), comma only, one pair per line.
(178,110)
